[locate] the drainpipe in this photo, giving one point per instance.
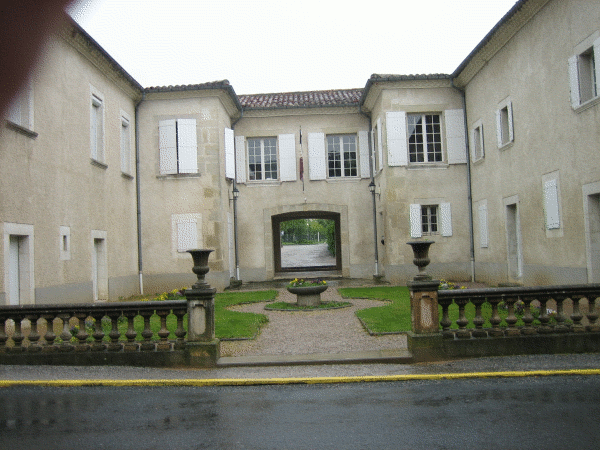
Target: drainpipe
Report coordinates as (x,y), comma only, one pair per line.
(235,194)
(469,187)
(372,189)
(138,192)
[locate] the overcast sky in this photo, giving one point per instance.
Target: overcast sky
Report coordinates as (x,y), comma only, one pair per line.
(264,46)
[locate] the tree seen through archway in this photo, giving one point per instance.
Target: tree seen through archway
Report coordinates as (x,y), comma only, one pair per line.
(308,243)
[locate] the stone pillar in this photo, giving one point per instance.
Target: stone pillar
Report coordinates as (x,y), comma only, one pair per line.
(424,306)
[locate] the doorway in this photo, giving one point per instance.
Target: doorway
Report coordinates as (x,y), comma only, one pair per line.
(99,267)
(307,241)
(593,231)
(513,242)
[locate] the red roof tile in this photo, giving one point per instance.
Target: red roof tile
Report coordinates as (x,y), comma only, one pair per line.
(312,99)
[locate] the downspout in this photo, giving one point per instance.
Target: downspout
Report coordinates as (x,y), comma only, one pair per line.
(469,187)
(138,193)
(235,194)
(372,189)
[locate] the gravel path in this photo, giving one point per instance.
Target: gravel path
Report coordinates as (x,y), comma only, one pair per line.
(303,332)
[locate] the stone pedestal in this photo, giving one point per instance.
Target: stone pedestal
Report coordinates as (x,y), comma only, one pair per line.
(308,295)
(424,306)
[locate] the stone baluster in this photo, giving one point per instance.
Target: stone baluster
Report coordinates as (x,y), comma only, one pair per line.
(34,336)
(462,320)
(66,335)
(446,323)
(82,334)
(180,331)
(17,336)
(98,334)
(114,334)
(50,336)
(511,319)
(478,320)
(163,344)
(3,335)
(544,318)
(592,315)
(147,334)
(495,320)
(560,326)
(576,315)
(528,318)
(131,345)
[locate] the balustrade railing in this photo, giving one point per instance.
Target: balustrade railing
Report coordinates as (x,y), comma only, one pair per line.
(519,311)
(110,327)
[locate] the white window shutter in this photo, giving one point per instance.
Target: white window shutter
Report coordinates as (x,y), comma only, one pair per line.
(229,154)
(287,157)
(483,226)
(455,136)
(240,159)
(574,81)
(317,169)
(551,204)
(167,145)
(499,127)
(379,144)
(597,64)
(395,122)
(187,235)
(363,146)
(511,129)
(187,146)
(416,229)
(446,219)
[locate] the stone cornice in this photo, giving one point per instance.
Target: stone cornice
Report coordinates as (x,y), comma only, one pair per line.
(496,39)
(222,95)
(377,87)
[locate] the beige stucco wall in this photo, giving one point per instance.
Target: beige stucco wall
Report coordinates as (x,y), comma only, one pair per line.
(49,181)
(549,137)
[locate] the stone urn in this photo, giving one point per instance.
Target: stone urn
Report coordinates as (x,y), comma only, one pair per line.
(200,257)
(421,258)
(308,295)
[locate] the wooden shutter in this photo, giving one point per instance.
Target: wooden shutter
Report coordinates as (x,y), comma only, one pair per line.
(551,204)
(395,122)
(287,157)
(574,81)
(455,136)
(363,146)
(446,219)
(597,65)
(511,130)
(379,144)
(187,235)
(483,225)
(229,154)
(416,229)
(167,145)
(187,146)
(240,159)
(317,169)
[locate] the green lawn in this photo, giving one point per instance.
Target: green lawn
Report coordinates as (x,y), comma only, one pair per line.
(235,324)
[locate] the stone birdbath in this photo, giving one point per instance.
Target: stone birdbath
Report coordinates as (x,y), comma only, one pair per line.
(308,293)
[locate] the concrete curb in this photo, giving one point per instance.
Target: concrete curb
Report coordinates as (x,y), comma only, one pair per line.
(292,380)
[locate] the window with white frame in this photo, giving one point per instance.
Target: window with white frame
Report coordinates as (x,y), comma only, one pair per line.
(478,149)
(262,159)
(97,128)
(20,111)
(551,201)
(584,71)
(125,146)
(430,219)
(342,156)
(424,138)
(504,123)
(178,148)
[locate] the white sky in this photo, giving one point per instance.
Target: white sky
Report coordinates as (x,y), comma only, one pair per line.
(264,46)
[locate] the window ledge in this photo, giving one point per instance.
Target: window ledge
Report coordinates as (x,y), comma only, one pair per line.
(263,183)
(421,166)
(479,161)
(178,176)
(126,176)
(99,164)
(506,146)
(20,129)
(344,180)
(586,105)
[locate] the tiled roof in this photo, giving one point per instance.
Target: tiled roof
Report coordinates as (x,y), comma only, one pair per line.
(222,84)
(311,99)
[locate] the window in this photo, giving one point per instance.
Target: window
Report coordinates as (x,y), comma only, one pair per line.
(424,138)
(551,190)
(341,156)
(97,129)
(430,219)
(483,224)
(20,111)
(478,151)
(584,72)
(504,123)
(178,146)
(185,233)
(125,146)
(65,243)
(262,159)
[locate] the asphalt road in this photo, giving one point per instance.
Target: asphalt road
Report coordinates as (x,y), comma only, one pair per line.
(497,413)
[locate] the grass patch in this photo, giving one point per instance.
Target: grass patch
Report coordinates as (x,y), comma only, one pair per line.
(236,324)
(286,306)
(391,318)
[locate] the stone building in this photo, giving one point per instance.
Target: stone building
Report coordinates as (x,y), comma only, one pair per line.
(105,183)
